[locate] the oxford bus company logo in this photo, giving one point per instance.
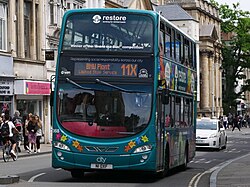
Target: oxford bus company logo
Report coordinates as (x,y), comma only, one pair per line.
(96,19)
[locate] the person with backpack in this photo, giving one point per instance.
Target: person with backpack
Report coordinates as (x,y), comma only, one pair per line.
(7,129)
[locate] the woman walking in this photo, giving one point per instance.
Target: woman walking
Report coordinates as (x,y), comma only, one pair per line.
(39,133)
(32,129)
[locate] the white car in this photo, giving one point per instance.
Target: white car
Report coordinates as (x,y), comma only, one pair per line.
(210,133)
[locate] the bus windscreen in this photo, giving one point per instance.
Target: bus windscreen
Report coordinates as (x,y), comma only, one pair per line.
(108,32)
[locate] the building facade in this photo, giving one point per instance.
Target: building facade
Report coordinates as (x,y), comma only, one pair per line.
(23,85)
(6,61)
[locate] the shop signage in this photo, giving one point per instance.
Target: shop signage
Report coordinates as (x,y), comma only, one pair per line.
(6,87)
(37,88)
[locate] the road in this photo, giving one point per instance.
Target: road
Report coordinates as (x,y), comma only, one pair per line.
(36,170)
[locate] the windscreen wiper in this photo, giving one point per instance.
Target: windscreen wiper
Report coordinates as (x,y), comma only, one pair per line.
(77,85)
(117,87)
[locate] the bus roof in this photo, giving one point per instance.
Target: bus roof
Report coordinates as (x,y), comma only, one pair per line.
(110,10)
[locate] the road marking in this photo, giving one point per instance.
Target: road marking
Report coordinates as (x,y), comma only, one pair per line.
(193,179)
(196,179)
(36,176)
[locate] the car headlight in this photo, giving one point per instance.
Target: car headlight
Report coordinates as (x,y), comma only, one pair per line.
(143,148)
(61,145)
(213,136)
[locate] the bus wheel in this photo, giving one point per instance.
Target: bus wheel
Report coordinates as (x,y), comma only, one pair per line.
(184,165)
(165,171)
(77,173)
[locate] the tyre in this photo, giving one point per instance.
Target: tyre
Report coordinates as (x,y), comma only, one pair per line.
(165,171)
(225,146)
(77,173)
(184,165)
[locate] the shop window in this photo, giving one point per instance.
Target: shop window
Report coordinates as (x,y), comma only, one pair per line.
(27,106)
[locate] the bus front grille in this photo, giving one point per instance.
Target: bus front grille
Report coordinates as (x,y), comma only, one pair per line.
(101,149)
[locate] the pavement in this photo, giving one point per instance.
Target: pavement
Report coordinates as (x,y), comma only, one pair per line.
(232,173)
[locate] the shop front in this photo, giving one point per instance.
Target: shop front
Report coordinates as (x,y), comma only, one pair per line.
(6,95)
(33,97)
(6,84)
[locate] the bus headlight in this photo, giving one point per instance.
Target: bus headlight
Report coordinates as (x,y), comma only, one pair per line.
(62,146)
(143,148)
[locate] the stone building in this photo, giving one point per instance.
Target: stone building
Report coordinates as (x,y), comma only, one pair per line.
(209,93)
(23,70)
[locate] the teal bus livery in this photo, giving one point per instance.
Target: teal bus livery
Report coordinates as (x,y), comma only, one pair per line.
(124,94)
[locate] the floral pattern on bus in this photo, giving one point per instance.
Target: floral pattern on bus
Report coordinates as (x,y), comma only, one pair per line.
(136,142)
(70,141)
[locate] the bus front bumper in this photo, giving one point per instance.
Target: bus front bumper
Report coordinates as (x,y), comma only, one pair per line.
(86,161)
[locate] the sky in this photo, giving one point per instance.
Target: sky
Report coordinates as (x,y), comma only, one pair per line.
(244,4)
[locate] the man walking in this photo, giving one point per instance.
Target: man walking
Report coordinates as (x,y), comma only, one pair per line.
(236,123)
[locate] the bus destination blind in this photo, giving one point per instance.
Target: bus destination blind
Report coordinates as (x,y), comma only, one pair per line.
(106,69)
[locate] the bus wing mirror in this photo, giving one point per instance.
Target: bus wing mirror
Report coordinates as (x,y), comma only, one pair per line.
(165,96)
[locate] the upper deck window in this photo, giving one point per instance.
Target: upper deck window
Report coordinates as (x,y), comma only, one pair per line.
(108,32)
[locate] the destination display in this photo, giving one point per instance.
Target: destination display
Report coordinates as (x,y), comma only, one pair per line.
(106,69)
(130,67)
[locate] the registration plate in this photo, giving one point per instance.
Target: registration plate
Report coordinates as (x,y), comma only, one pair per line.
(199,141)
(101,166)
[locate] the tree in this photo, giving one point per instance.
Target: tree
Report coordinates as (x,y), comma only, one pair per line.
(235,52)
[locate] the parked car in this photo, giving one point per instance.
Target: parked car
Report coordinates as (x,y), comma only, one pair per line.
(210,133)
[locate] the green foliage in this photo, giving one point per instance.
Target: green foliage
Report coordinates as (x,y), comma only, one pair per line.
(236,51)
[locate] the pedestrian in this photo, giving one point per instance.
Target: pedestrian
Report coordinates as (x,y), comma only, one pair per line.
(230,120)
(39,133)
(25,132)
(1,121)
(225,122)
(32,129)
(17,121)
(236,122)
(8,130)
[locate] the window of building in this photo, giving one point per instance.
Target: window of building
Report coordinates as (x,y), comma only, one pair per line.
(27,28)
(38,32)
(51,7)
(3,26)
(68,6)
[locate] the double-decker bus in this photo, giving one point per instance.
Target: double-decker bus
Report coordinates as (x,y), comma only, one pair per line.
(124,95)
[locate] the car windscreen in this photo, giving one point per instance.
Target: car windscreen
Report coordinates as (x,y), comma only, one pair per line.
(206,125)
